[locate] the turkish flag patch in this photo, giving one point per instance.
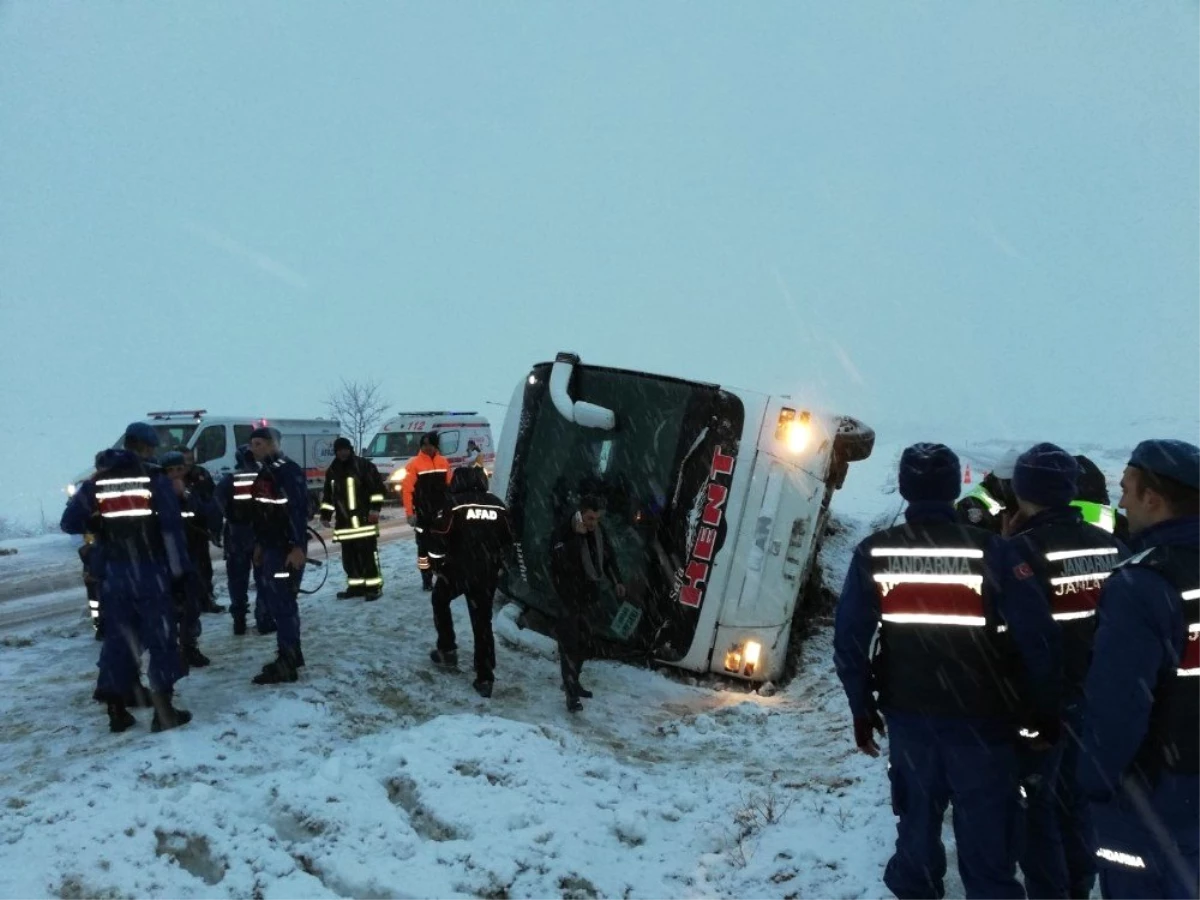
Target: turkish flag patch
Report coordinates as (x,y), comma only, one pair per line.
(1023,571)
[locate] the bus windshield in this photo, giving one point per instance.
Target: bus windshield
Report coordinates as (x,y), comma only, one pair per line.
(400,444)
(649,471)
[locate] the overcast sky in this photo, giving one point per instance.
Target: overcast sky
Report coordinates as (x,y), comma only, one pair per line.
(970,216)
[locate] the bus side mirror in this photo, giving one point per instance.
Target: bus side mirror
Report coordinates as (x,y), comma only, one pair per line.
(588,415)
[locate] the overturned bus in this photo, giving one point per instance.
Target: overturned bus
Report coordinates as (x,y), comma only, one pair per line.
(717,500)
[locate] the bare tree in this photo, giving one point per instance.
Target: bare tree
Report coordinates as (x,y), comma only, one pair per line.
(358,407)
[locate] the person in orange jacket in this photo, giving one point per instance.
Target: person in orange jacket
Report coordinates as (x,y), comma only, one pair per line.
(426,484)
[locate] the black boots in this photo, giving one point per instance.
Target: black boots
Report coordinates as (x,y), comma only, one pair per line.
(372,595)
(239,626)
(482,688)
(119,718)
(444,659)
(193,657)
(167,716)
(283,670)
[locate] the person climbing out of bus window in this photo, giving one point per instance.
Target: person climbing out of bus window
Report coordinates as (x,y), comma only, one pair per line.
(581,559)
(426,484)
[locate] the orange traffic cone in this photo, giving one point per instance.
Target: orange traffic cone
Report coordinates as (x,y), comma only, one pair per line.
(967,474)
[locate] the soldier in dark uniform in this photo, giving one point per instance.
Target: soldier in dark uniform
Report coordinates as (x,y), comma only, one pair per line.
(203,528)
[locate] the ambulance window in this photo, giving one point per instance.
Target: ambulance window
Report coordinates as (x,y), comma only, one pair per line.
(210,444)
(448,443)
(241,434)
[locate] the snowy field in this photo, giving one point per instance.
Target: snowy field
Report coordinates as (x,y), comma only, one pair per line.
(375,776)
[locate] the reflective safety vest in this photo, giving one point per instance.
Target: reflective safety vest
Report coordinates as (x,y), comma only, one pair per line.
(984,496)
(130,528)
(270,508)
(939,647)
(241,511)
(1098,514)
(1173,741)
(1073,560)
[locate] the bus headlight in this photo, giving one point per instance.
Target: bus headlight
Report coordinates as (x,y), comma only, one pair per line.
(794,429)
(743,659)
(797,435)
(398,475)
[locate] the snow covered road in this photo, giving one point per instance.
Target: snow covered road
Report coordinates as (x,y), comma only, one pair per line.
(376,776)
(42,579)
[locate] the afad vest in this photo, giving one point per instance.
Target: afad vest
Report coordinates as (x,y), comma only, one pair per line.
(940,649)
(1173,741)
(130,529)
(1073,563)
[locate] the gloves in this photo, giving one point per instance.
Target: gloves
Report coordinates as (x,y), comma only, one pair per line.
(864,729)
(325,520)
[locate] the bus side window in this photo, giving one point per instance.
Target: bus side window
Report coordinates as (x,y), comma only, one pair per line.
(604,457)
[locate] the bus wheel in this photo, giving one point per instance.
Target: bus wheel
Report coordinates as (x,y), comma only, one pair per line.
(854,440)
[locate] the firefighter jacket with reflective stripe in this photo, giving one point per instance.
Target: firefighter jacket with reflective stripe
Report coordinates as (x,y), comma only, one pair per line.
(425,486)
(470,537)
(280,495)
(1141,691)
(132,510)
(1071,559)
(353,490)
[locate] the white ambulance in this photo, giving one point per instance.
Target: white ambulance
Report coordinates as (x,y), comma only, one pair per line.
(464,437)
(215,439)
(717,502)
